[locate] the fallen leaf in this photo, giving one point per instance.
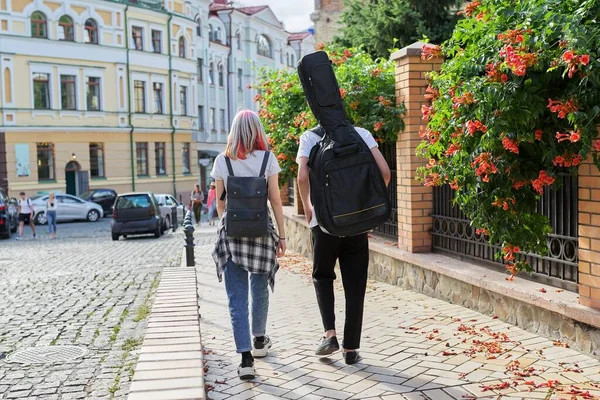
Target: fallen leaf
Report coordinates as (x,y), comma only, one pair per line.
(542,290)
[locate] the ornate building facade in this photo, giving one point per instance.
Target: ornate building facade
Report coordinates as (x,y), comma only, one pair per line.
(326,18)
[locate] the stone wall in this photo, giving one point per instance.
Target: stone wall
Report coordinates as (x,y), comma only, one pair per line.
(326,18)
(408,275)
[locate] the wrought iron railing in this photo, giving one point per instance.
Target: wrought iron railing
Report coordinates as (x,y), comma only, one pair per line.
(453,233)
(390,228)
(291,191)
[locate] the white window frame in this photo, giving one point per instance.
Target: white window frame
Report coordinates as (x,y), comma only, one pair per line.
(138,24)
(163,41)
(162,80)
(188,97)
(42,69)
(148,106)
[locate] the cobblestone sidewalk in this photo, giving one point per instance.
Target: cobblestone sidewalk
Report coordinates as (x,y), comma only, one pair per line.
(414,347)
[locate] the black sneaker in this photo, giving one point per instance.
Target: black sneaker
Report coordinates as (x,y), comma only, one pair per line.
(351,357)
(246,369)
(328,346)
(261,347)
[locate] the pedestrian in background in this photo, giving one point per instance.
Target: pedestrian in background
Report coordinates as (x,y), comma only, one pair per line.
(196,203)
(241,259)
(211,202)
(51,215)
(26,213)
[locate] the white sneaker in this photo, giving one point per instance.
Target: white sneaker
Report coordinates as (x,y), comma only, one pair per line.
(246,370)
(261,349)
(19,238)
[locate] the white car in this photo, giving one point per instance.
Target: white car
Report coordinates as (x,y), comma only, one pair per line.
(166,202)
(68,208)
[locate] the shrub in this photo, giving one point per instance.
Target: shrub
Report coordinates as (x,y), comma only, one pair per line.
(366,85)
(516,103)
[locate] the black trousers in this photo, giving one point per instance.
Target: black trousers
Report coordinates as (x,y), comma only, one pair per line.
(353,254)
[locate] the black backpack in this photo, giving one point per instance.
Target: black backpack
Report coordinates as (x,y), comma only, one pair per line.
(247,212)
(347,190)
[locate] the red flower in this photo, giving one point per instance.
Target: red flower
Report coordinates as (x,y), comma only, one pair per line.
(452,149)
(518,60)
(542,180)
(504,78)
(433,180)
(509,252)
(385,102)
(510,145)
(596,145)
(454,184)
(378,126)
(470,8)
(282,157)
(572,136)
(568,56)
(483,231)
(320,46)
(538,134)
(343,93)
(431,94)
(573,61)
(518,185)
(347,53)
(584,59)
(567,160)
(476,126)
(427,111)
(562,108)
(484,166)
(376,72)
(430,51)
(466,99)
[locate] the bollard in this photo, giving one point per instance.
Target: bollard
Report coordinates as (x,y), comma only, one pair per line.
(188,229)
(174,219)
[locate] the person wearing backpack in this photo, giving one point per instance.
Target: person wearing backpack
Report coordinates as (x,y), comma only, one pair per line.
(351,251)
(247,246)
(26,213)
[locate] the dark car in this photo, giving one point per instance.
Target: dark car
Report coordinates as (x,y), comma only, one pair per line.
(136,214)
(103,197)
(8,215)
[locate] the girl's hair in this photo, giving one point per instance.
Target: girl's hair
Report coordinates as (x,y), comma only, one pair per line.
(196,186)
(247,135)
(50,195)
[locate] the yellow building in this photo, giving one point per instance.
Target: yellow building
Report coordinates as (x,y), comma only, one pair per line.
(97,93)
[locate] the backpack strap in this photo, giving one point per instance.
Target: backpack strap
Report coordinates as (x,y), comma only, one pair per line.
(318,130)
(229,166)
(263,169)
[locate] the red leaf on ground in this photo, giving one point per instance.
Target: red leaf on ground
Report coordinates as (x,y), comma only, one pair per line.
(449,353)
(498,386)
(542,290)
(558,343)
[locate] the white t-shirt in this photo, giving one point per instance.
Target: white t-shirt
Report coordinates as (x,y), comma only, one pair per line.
(25,206)
(248,167)
(309,139)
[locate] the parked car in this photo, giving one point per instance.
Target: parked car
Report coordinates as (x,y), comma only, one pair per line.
(135,214)
(68,208)
(167,204)
(8,215)
(103,197)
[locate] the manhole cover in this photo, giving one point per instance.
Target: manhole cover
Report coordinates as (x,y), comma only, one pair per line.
(46,354)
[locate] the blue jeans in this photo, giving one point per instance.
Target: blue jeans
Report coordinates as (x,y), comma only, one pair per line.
(236,285)
(51,216)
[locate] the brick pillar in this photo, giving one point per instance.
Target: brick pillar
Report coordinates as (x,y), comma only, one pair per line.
(284,194)
(589,235)
(298,206)
(415,201)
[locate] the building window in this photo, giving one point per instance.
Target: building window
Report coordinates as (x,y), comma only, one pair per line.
(141,158)
(137,36)
(199,27)
(91,32)
(156,41)
(45,161)
(183,100)
(185,156)
(223,125)
(211,32)
(68,92)
(240,79)
(201,118)
(158,99)
(291,60)
(218,34)
(160,158)
(39,25)
(200,70)
(139,94)
(41,91)
(221,76)
(65,29)
(238,40)
(212,119)
(182,47)
(211,73)
(264,46)
(97,160)
(93,93)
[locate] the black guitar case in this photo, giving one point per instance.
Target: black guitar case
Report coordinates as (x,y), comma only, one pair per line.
(348,192)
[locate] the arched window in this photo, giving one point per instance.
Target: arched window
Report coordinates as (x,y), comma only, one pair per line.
(65,29)
(288,59)
(238,40)
(264,46)
(221,76)
(292,60)
(39,25)
(199,27)
(211,32)
(91,32)
(218,34)
(182,47)
(211,73)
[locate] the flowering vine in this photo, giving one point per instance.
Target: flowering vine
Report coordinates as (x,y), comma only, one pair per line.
(514,107)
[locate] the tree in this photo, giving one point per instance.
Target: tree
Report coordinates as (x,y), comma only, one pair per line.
(377,24)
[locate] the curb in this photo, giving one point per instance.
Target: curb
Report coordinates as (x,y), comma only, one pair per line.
(171,366)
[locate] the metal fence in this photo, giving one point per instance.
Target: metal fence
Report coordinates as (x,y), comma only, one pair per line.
(390,228)
(453,233)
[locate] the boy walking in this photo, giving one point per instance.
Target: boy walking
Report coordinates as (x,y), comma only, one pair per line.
(352,253)
(26,213)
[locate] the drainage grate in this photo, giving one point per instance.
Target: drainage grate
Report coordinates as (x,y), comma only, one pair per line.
(46,354)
